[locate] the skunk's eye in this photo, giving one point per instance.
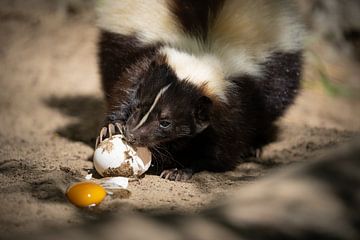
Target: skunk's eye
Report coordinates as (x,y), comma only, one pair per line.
(165,123)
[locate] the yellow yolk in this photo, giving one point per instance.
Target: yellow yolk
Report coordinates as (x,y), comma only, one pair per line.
(85,194)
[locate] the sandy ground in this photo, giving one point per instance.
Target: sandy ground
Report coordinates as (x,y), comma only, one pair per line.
(51,106)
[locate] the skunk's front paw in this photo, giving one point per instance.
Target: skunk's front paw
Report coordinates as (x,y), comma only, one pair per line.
(177,174)
(107,132)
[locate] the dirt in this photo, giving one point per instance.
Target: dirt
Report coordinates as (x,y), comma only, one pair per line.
(51,108)
(124,170)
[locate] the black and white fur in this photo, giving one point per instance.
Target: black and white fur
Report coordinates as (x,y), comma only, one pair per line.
(199,82)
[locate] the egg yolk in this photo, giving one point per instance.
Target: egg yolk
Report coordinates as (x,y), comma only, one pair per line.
(85,194)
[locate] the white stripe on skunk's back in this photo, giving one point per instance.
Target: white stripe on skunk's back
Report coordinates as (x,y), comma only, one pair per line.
(203,71)
(246,32)
(243,35)
(150,20)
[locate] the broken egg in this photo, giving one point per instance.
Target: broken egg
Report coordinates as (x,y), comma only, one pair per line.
(85,194)
(114,157)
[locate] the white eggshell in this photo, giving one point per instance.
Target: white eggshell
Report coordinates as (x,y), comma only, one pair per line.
(113,152)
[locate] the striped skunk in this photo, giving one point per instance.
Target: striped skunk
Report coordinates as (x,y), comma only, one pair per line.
(199,82)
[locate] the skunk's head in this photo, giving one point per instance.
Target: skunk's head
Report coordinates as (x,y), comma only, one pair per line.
(165,108)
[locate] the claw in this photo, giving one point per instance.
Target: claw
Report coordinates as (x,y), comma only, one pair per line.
(168,175)
(178,177)
(111,129)
(120,128)
(97,142)
(103,133)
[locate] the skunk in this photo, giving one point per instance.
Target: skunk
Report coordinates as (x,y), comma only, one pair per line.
(200,83)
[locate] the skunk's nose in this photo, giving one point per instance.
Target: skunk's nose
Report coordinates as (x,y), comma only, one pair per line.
(129,137)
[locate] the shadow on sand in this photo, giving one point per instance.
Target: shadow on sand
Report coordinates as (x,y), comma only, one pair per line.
(87,111)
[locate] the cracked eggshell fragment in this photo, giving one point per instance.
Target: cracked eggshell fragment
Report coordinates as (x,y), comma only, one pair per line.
(114,157)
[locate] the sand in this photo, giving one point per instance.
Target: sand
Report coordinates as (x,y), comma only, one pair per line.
(51,108)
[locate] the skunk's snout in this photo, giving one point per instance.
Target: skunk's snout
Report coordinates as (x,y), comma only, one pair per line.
(129,137)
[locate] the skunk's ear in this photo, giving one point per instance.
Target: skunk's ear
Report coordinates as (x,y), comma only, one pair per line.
(202,113)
